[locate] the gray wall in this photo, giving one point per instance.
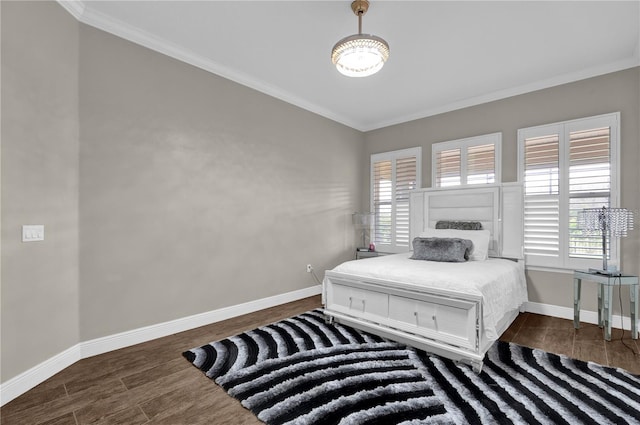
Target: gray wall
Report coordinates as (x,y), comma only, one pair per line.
(166,191)
(39,183)
(197,193)
(613,92)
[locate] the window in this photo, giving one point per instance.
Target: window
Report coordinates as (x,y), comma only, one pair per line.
(566,167)
(393,176)
(471,161)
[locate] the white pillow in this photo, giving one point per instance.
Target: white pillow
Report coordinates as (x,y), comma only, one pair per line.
(480,239)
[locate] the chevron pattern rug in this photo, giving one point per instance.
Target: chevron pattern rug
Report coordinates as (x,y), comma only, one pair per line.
(303,371)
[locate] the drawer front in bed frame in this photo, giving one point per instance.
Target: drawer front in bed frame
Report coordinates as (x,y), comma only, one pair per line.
(447,320)
(452,321)
(362,303)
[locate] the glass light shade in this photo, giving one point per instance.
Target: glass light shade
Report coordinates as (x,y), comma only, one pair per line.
(612,221)
(608,222)
(360,55)
(362,220)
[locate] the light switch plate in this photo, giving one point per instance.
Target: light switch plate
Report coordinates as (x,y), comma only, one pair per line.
(32,232)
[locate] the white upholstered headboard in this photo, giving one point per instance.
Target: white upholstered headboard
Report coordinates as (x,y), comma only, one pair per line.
(498,207)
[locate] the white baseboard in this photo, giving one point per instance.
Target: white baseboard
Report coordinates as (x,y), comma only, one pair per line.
(586,316)
(27,380)
(45,370)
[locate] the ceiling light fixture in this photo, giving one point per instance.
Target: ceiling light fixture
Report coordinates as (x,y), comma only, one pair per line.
(360,55)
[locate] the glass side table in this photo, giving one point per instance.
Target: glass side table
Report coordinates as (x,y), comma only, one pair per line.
(605,298)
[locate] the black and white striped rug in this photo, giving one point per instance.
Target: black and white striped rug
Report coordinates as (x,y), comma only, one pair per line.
(303,371)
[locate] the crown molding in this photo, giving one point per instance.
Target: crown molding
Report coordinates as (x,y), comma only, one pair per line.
(75,7)
(133,34)
(78,9)
(515,91)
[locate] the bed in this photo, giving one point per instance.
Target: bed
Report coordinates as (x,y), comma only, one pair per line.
(456,310)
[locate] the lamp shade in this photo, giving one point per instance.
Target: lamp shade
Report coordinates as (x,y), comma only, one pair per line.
(611,221)
(362,220)
(360,55)
(607,222)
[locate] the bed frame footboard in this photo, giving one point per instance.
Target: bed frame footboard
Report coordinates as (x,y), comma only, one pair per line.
(440,322)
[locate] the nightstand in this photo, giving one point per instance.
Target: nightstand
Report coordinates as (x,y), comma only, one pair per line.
(365,254)
(605,295)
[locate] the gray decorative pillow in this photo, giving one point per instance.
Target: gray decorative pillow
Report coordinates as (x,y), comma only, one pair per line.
(459,225)
(453,250)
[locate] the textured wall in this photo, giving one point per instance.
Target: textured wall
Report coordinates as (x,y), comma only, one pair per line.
(197,193)
(619,91)
(186,192)
(39,183)
(165,191)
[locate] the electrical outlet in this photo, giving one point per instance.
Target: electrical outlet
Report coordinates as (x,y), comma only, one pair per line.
(309,268)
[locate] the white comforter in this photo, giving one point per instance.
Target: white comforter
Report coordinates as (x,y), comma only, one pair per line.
(500,282)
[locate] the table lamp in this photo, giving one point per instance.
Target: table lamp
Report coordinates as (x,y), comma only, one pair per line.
(363,221)
(608,222)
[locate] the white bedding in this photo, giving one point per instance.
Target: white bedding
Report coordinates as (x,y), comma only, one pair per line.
(500,282)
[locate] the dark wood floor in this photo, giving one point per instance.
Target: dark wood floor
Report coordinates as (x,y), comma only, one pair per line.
(152,383)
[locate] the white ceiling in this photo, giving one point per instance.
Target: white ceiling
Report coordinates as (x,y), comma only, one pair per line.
(444,54)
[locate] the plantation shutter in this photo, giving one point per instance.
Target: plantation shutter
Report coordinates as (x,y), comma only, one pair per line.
(589,186)
(470,161)
(448,171)
(382,196)
(405,182)
(394,175)
(542,196)
(567,167)
(481,161)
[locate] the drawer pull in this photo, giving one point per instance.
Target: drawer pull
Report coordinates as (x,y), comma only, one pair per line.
(351,303)
(415,314)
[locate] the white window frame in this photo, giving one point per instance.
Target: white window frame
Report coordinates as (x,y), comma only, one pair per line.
(464,145)
(564,262)
(393,156)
